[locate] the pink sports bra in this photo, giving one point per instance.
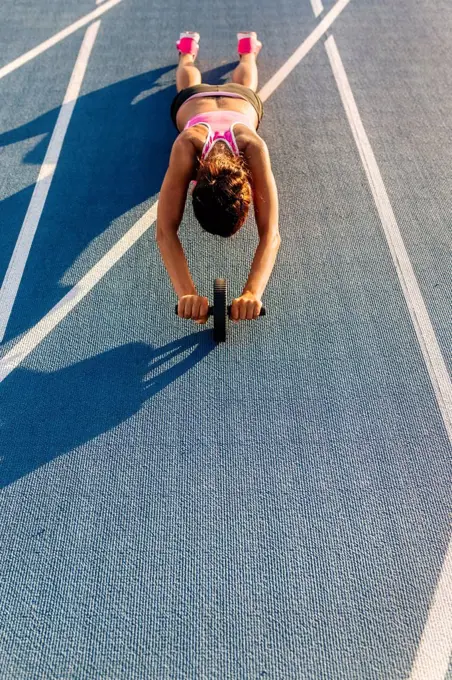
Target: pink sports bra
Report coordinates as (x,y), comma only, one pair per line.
(220,125)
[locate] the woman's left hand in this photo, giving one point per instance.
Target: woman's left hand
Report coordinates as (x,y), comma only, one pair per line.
(247,306)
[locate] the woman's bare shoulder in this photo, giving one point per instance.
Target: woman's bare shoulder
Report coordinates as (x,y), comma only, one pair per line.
(194,136)
(187,147)
(246,136)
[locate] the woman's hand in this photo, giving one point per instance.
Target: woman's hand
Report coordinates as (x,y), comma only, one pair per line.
(247,306)
(193,307)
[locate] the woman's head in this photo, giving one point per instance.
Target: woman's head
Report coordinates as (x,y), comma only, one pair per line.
(222,195)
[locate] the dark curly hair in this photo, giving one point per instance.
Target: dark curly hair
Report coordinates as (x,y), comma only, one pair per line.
(222,195)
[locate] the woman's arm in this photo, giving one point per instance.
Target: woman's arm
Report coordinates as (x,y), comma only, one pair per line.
(265,199)
(170,209)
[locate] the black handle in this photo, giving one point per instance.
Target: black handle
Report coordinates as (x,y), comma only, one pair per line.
(210,313)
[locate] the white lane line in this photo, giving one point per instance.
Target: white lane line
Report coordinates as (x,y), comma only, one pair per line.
(37,334)
(321,28)
(429,345)
(435,648)
(433,654)
(317,7)
(31,54)
(27,233)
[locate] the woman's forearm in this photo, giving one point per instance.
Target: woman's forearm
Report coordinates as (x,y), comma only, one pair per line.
(262,266)
(174,259)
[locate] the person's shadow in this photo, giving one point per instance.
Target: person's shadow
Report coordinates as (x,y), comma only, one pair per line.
(114,157)
(45,415)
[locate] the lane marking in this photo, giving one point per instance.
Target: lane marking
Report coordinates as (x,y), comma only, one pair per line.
(317,7)
(321,28)
(433,654)
(37,333)
(31,54)
(13,276)
(429,345)
(435,647)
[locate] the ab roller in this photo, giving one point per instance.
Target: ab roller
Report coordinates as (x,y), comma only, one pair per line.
(220,311)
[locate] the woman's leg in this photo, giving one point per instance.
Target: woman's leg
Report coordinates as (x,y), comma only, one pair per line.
(246,71)
(187,74)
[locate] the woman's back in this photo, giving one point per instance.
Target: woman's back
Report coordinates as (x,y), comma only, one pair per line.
(195,106)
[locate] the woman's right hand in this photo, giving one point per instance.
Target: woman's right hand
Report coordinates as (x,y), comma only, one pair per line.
(193,307)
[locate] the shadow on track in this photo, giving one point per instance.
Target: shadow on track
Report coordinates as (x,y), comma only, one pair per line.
(114,158)
(45,415)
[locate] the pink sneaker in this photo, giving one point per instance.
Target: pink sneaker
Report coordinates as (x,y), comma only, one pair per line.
(188,43)
(247,43)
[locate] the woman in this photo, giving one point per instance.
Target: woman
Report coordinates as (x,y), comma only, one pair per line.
(219,149)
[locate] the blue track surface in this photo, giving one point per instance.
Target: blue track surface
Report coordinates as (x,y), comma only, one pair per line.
(275,507)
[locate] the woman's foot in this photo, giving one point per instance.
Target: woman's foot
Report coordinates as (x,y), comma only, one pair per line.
(247,43)
(188,43)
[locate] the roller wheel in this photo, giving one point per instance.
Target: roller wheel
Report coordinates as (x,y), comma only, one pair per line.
(219,310)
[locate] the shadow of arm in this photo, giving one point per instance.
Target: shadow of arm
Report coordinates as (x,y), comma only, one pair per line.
(41,125)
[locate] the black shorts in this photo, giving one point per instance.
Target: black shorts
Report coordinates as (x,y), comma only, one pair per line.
(236,88)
